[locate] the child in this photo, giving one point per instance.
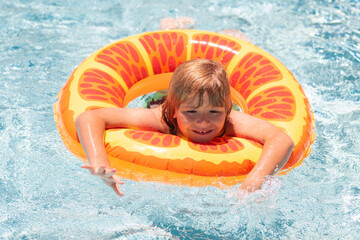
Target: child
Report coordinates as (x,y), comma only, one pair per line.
(198,107)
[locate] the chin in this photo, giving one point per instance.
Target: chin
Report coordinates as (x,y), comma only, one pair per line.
(202,139)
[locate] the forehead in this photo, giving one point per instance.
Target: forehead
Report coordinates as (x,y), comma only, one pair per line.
(198,100)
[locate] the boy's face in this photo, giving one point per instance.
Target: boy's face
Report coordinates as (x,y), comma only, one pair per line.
(200,124)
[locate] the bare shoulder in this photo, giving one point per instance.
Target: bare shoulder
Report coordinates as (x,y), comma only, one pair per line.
(137,118)
(244,125)
(240,118)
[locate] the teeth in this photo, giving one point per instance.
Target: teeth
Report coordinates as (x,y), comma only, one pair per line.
(202,131)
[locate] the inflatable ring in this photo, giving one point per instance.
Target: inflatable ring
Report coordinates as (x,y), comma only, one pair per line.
(118,73)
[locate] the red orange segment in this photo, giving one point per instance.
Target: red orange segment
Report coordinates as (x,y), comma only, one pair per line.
(218,145)
(209,169)
(252,72)
(185,166)
(95,84)
(153,138)
(275,103)
(126,60)
(213,47)
(166,51)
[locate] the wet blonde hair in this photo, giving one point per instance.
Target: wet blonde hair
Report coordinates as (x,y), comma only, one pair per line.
(190,81)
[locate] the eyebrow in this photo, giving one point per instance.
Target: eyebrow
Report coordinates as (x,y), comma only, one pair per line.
(195,106)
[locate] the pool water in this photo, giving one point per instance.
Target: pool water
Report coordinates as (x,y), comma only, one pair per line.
(44,194)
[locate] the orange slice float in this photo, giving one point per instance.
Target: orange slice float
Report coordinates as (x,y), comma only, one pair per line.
(118,73)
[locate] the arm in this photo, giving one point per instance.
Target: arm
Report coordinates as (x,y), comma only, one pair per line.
(91,126)
(277,146)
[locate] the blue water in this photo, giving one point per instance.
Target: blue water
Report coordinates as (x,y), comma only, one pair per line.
(44,194)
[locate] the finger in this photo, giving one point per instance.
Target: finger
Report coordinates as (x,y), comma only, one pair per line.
(88,167)
(118,180)
(117,190)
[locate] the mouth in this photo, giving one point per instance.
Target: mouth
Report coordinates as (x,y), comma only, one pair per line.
(202,132)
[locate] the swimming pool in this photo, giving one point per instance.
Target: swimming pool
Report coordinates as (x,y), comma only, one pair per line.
(46,195)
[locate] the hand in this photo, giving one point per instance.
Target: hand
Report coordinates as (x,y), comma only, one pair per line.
(108,176)
(251,184)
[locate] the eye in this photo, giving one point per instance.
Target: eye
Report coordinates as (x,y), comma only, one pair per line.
(216,112)
(191,111)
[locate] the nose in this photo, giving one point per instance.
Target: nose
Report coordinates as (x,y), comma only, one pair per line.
(203,118)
